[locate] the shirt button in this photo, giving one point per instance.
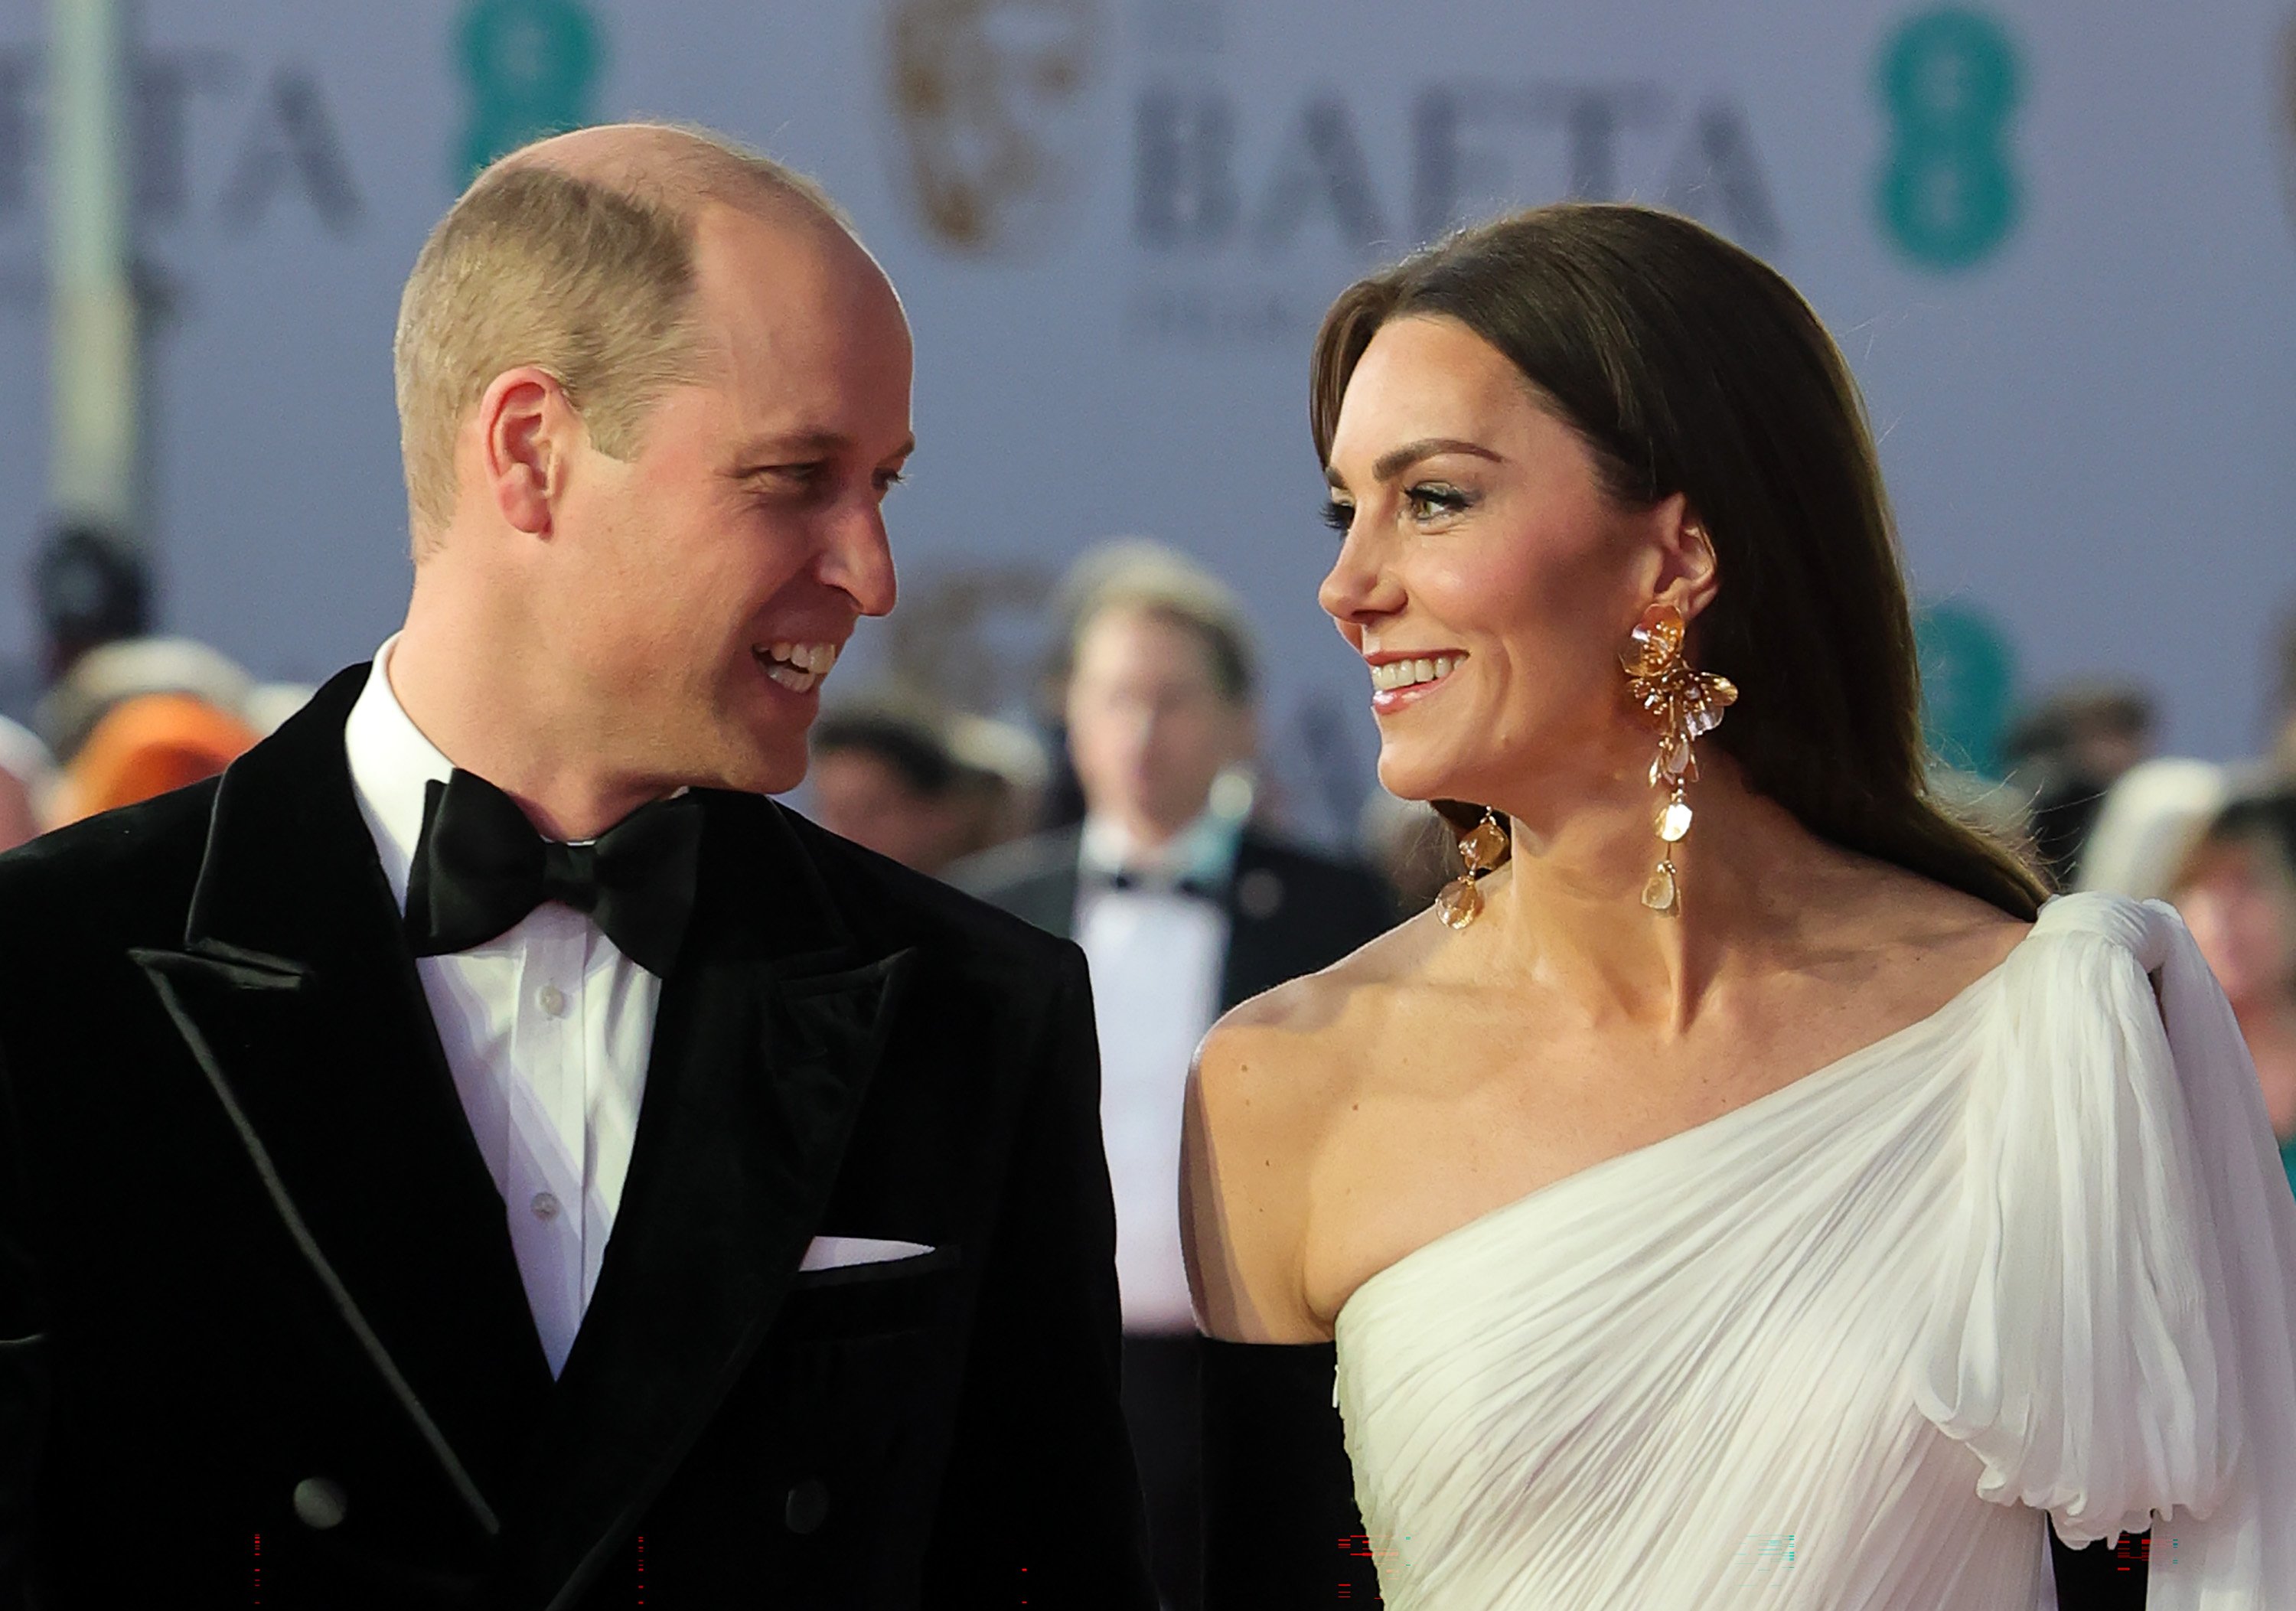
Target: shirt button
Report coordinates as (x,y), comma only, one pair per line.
(553,1000)
(807,1506)
(545,1205)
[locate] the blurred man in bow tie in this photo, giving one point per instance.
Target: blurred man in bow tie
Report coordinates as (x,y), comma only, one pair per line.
(482,1152)
(1185,908)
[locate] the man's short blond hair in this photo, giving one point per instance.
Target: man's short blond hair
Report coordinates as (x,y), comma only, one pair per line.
(585,271)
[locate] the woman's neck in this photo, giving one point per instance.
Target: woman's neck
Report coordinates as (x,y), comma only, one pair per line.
(1570,910)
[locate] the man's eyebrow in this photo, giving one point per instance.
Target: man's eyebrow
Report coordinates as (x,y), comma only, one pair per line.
(767,452)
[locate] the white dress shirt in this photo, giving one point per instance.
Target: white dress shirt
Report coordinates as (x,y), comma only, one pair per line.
(1157,957)
(546,1028)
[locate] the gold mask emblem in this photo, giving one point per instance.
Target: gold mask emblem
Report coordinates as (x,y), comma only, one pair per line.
(989,96)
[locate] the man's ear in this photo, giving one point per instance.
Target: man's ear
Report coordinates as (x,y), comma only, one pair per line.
(527,428)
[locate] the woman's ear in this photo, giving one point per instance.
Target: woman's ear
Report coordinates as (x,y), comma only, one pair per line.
(1689,575)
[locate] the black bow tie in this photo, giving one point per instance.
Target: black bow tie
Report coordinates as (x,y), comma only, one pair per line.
(1202,889)
(479,867)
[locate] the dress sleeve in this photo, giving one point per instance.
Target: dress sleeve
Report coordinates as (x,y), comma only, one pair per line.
(2112,1333)
(1280,1523)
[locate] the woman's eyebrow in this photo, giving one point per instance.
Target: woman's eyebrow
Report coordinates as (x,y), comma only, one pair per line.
(1397,460)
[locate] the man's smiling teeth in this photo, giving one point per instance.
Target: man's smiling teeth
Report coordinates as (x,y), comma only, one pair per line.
(797,667)
(1404,673)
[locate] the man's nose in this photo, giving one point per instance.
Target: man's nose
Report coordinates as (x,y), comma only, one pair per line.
(859,560)
(1135,728)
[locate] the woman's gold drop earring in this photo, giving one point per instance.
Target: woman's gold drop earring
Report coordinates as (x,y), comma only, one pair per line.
(1480,848)
(1682,704)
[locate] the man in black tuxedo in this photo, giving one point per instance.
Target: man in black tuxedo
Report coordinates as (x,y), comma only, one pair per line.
(480,1152)
(1183,908)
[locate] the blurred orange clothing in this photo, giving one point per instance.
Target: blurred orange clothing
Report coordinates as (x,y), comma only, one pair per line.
(147,745)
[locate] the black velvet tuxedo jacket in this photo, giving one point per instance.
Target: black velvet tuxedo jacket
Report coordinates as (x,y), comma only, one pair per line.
(263,1340)
(1290,910)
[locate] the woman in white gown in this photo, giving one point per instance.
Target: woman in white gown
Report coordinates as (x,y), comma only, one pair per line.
(1772,1216)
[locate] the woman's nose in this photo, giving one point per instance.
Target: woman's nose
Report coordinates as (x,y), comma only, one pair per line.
(1357,588)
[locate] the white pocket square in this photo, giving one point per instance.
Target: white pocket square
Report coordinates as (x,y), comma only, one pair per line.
(838,1253)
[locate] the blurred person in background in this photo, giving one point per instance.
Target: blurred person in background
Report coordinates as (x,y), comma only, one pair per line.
(1062,804)
(2236,889)
(2147,822)
(1183,908)
(128,668)
(1014,770)
(924,789)
(26,776)
(92,587)
(146,745)
(138,717)
(2065,753)
(438,1149)
(885,779)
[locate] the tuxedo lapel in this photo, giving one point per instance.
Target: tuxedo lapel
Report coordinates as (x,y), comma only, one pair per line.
(768,1034)
(299,1003)
(1257,902)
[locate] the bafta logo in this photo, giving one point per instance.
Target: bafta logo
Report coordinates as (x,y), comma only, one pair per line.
(990,98)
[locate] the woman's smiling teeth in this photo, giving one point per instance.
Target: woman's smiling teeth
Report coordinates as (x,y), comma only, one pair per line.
(797,667)
(1390,675)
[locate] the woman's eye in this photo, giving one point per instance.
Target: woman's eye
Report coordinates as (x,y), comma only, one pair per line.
(1339,516)
(1433,502)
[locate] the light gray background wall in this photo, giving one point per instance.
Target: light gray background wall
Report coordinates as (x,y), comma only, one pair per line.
(2087,426)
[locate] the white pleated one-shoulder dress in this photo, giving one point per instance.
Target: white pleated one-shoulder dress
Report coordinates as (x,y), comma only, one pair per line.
(1839,1347)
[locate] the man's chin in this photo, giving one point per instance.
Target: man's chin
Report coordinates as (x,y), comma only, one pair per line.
(775,772)
(742,765)
(762,778)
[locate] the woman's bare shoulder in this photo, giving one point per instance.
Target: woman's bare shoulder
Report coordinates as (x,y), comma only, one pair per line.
(1923,938)
(1266,1081)
(1314,1023)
